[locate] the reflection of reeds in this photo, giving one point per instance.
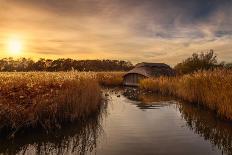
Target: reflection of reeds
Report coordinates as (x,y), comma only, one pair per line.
(75,138)
(210,88)
(204,123)
(46,100)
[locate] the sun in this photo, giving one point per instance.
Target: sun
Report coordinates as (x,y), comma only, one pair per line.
(14,46)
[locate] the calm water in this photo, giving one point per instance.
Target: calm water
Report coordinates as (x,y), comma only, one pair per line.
(143,124)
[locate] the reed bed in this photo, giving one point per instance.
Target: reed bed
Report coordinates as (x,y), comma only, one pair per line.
(46,100)
(212,89)
(110,78)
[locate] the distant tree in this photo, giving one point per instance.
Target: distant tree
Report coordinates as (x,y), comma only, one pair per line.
(202,61)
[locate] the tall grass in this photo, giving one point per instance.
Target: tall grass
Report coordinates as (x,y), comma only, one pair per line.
(46,100)
(213,89)
(110,78)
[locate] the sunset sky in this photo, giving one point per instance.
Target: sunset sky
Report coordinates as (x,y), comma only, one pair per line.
(136,30)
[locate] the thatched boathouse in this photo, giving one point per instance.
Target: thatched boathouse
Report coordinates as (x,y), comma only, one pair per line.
(146,70)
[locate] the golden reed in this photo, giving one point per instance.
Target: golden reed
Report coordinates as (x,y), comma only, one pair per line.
(212,89)
(46,100)
(110,78)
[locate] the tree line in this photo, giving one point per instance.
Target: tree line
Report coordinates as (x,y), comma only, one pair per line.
(27,64)
(198,61)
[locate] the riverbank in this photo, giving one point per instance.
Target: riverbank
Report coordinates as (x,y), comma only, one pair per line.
(212,89)
(46,100)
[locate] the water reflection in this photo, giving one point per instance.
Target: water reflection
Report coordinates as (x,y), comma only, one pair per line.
(205,123)
(198,119)
(76,138)
(145,101)
(150,123)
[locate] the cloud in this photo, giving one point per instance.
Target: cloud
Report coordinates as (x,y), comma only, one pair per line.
(157,30)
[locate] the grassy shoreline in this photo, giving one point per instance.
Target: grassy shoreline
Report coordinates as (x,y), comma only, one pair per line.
(46,100)
(213,89)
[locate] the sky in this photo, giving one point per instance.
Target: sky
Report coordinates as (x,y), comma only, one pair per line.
(136,30)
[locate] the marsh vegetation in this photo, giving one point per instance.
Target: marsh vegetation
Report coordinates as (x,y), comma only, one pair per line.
(212,89)
(46,100)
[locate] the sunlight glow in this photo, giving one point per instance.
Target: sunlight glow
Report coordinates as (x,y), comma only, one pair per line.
(14,46)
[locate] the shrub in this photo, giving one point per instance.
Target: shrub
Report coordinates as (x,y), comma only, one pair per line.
(203,61)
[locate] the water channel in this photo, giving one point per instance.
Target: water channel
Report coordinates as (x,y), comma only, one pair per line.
(134,123)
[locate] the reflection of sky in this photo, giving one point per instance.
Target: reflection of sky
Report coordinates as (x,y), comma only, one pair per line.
(130,130)
(158,30)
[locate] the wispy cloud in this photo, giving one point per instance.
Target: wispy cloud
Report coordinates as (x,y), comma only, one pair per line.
(159,30)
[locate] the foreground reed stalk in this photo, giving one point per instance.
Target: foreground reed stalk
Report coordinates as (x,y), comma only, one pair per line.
(212,89)
(46,100)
